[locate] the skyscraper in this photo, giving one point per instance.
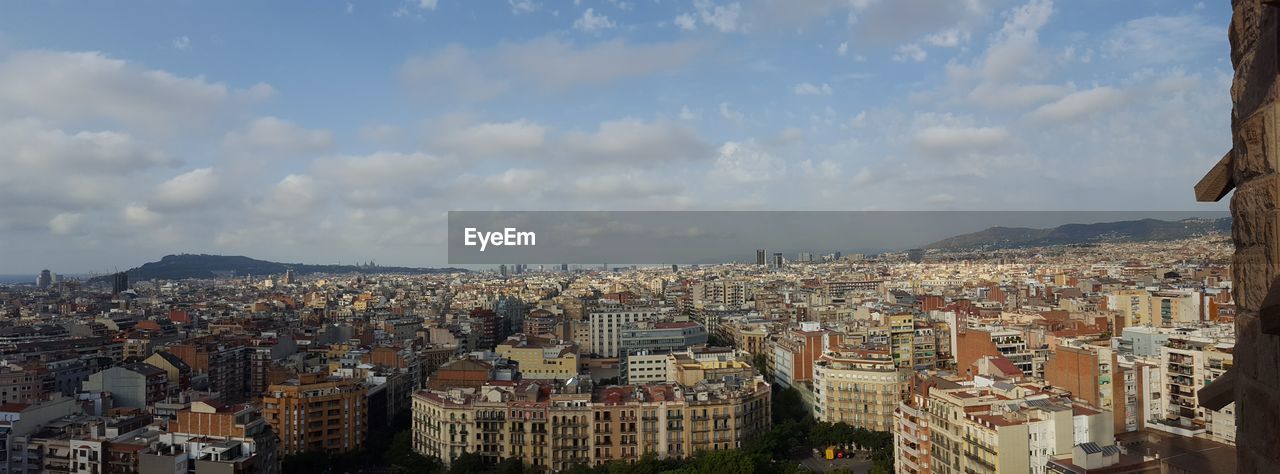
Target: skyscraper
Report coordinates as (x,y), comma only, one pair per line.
(289,277)
(45,279)
(119,283)
(760,257)
(777,260)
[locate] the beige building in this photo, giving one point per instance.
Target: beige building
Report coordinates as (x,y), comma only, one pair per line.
(541,358)
(1006,428)
(557,426)
(860,387)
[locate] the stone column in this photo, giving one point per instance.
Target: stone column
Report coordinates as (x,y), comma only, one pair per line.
(1253,168)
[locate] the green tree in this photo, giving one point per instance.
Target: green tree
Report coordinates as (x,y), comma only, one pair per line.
(402,459)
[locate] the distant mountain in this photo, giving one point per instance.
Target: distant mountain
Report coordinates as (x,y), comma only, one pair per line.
(1145,230)
(177,267)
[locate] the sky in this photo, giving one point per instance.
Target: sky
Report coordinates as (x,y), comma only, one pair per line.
(344,131)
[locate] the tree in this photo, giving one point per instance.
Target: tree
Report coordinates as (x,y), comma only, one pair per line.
(468,463)
(401,458)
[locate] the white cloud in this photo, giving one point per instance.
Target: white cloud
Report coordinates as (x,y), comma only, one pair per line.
(547,63)
(941,198)
(593,23)
(140,215)
(949,38)
(1080,104)
(1010,70)
(729,113)
(863,177)
(843,49)
(910,52)
(490,139)
(943,139)
(635,143)
(723,18)
(687,114)
(428,4)
(1163,39)
(181,43)
(745,162)
(257,92)
(66,223)
(190,189)
(452,71)
(686,22)
(821,170)
(275,135)
(31,146)
(806,88)
(91,86)
(293,196)
(523,6)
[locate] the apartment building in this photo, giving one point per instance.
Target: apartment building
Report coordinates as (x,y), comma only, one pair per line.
(541,358)
(557,426)
(1188,363)
(1006,428)
(1091,373)
(861,387)
(317,413)
(606,325)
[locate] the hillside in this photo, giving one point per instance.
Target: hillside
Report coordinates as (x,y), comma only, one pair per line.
(177,267)
(1145,230)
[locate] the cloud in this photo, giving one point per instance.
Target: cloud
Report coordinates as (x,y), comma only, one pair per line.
(519,7)
(85,87)
(428,4)
(941,198)
(1080,104)
(630,186)
(66,223)
(635,143)
(140,215)
(452,71)
(806,88)
(275,135)
(181,43)
(32,146)
(943,140)
(745,162)
(843,48)
(729,113)
(686,22)
(547,63)
(592,23)
(1163,39)
(492,139)
(1009,72)
(293,196)
(187,190)
(910,52)
(723,18)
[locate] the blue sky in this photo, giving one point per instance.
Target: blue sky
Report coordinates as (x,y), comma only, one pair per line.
(342,131)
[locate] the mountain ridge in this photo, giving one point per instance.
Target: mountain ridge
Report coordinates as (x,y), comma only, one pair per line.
(1142,230)
(183,266)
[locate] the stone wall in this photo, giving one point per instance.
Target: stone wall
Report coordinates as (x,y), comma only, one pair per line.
(1253,167)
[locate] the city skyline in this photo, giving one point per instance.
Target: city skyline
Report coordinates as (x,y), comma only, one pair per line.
(137,139)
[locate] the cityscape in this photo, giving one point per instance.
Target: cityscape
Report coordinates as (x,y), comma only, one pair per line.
(640,237)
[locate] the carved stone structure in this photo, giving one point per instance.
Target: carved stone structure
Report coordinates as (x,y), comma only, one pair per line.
(1252,168)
